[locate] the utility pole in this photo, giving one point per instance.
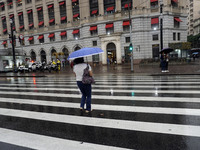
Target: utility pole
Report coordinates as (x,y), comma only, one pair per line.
(161,25)
(131,46)
(13,46)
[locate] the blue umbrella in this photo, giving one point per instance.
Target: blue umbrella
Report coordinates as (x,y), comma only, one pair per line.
(87,51)
(195,53)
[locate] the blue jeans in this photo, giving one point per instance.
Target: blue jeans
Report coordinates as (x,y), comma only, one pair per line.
(86,90)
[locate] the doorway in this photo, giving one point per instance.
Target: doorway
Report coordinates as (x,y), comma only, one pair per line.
(111,54)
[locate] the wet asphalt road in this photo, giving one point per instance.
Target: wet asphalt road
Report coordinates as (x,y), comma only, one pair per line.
(129,112)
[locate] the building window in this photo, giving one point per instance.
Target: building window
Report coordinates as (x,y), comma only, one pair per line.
(30,18)
(51,37)
(126,4)
(21,21)
(127,39)
(51,15)
(93,30)
(63,14)
(126,26)
(76,34)
(179,36)
(19,2)
(174,36)
(31,40)
(177,22)
(94,8)
(155,51)
(75,9)
(63,35)
(41,38)
(155,37)
(109,6)
(154,4)
(94,43)
(109,28)
(154,23)
(10,4)
(28,1)
(4,25)
(2,6)
(40,17)
(5,44)
(174,3)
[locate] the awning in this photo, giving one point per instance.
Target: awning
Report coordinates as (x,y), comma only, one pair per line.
(126,5)
(13,28)
(110,8)
(29,11)
(126,23)
(30,38)
(40,8)
(94,11)
(21,27)
(3,18)
(177,19)
(30,25)
(41,23)
(76,15)
(63,18)
(10,3)
(52,20)
(11,16)
(19,1)
(19,14)
(63,33)
(4,42)
(154,20)
(75,31)
(93,28)
(50,6)
(2,6)
(61,3)
(153,1)
(40,37)
(4,30)
(109,25)
(51,35)
(73,1)
(176,1)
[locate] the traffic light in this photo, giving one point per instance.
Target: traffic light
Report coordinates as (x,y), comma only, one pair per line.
(131,47)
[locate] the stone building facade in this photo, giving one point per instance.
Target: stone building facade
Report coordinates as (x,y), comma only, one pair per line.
(49,26)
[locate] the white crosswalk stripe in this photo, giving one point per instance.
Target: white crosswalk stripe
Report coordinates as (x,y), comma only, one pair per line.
(43,112)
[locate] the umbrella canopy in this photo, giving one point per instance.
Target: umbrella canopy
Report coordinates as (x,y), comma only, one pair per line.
(87,51)
(166,50)
(195,53)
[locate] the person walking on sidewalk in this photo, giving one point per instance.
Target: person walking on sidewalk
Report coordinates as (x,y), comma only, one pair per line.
(86,89)
(163,62)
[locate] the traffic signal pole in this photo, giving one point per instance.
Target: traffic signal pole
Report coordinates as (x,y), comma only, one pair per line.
(130,36)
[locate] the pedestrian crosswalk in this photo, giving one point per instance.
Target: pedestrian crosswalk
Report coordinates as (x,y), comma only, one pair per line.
(129,112)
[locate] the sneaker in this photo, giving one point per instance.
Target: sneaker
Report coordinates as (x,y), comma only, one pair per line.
(162,71)
(167,71)
(87,111)
(81,108)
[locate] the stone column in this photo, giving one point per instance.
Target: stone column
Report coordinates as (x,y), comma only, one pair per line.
(118,6)
(56,12)
(7,17)
(45,14)
(69,10)
(16,17)
(26,27)
(101,7)
(35,16)
(84,7)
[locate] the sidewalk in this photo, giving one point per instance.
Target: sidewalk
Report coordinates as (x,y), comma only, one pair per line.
(192,68)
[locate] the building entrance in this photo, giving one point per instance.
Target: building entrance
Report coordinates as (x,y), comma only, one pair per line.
(111,54)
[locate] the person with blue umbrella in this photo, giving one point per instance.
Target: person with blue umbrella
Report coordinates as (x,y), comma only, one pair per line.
(78,68)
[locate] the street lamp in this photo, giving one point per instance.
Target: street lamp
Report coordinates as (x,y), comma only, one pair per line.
(161,24)
(13,46)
